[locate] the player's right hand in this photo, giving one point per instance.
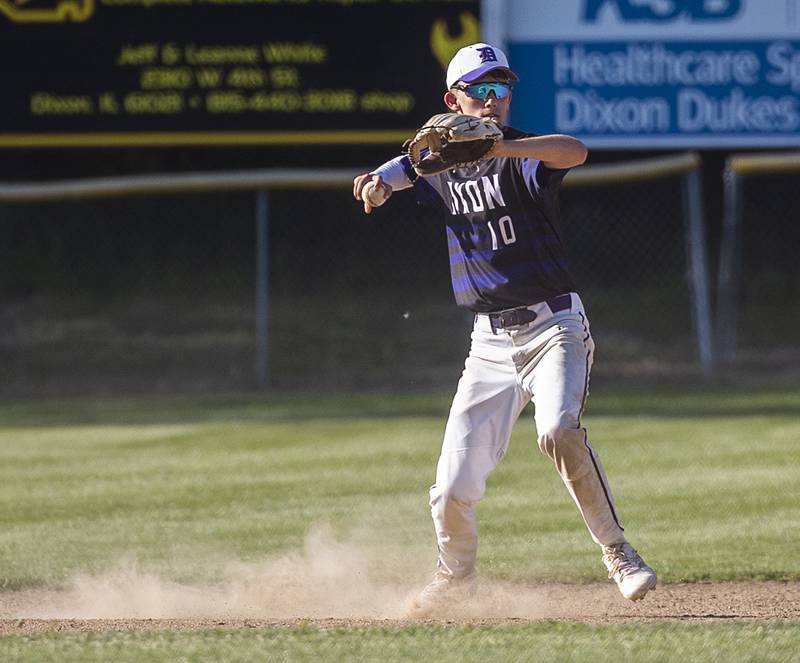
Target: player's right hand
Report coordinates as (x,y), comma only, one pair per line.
(360,182)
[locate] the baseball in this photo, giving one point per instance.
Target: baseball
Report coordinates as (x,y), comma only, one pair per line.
(373,197)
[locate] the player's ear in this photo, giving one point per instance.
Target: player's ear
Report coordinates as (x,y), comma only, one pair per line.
(451,101)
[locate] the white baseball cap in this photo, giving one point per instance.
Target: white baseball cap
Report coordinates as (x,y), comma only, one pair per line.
(474,61)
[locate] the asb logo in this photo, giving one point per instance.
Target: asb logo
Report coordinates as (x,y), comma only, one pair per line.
(664,10)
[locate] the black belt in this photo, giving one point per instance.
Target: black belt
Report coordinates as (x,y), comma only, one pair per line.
(522,315)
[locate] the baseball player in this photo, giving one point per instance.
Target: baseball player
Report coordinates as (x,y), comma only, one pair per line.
(531,338)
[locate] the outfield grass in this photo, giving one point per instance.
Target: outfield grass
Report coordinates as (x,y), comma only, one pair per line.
(706,483)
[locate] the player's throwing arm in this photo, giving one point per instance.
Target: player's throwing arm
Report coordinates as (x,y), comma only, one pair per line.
(445,142)
(371,190)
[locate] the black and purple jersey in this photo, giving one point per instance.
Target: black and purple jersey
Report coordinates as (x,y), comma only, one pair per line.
(503,231)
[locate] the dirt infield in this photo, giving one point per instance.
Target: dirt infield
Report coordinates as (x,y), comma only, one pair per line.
(31,612)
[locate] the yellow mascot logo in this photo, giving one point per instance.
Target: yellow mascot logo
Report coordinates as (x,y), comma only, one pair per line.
(54,11)
(445,46)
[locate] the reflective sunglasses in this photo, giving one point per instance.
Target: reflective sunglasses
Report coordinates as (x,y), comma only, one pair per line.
(483,90)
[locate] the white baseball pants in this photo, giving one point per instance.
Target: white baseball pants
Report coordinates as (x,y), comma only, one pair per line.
(548,361)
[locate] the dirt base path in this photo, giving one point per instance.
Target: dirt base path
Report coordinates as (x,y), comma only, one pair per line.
(588,604)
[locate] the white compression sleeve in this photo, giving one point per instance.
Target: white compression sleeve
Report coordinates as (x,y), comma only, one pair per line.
(394,174)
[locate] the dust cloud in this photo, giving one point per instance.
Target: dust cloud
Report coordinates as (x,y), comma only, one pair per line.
(328,578)
(360,579)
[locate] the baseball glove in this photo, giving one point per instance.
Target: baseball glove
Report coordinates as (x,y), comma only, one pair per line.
(451,140)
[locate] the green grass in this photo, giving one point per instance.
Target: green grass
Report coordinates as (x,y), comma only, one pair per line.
(706,483)
(739,642)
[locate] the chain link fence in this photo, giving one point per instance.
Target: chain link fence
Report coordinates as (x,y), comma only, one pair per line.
(156,292)
(759,279)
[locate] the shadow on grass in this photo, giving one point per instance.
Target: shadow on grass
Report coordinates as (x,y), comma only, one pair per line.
(677,402)
(664,402)
(268,408)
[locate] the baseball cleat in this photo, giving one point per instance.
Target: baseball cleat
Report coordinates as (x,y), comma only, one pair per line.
(441,594)
(633,577)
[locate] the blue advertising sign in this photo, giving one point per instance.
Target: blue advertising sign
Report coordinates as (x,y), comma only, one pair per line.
(669,73)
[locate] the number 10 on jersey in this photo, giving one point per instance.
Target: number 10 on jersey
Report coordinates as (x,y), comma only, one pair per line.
(506,232)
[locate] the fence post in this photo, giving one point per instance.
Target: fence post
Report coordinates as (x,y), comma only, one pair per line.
(262,287)
(698,270)
(729,266)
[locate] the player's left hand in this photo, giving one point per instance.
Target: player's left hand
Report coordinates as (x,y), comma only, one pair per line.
(496,151)
(451,140)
